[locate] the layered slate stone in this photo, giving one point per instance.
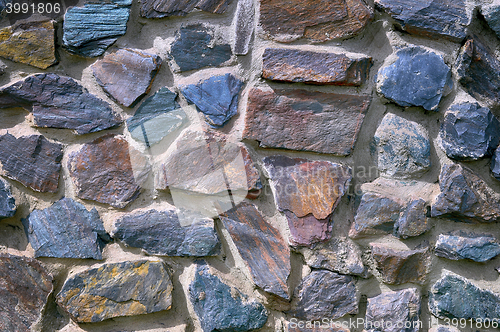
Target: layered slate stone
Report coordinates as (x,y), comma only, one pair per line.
(413,221)
(24,291)
(417,78)
(319,21)
(167,8)
(305,120)
(435,18)
(262,248)
(216,97)
(116,290)
(33,161)
(291,65)
(490,14)
(7,202)
(127,74)
(35,39)
(222,308)
(243,23)
(108,171)
(59,102)
(461,245)
(66,230)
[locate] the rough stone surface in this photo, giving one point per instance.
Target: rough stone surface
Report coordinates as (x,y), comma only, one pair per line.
(166,8)
(115,290)
(495,164)
(289,65)
(490,14)
(417,78)
(262,248)
(444,329)
(309,327)
(461,245)
(7,202)
(127,74)
(243,23)
(314,121)
(24,291)
(413,221)
(221,308)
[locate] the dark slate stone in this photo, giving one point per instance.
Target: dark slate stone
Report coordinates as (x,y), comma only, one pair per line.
(244,26)
(469,132)
(192,49)
(66,230)
(7,202)
(59,102)
(413,221)
(417,78)
(221,308)
(462,245)
(491,14)
(116,290)
(495,164)
(166,8)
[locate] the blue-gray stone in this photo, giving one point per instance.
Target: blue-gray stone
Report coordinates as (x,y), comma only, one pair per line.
(221,308)
(417,78)
(216,97)
(413,221)
(491,14)
(469,132)
(495,164)
(7,201)
(461,245)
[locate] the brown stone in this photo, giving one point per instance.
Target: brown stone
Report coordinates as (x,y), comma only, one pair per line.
(306,231)
(166,8)
(305,120)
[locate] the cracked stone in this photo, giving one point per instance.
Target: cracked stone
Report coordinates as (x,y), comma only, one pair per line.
(461,245)
(7,202)
(413,220)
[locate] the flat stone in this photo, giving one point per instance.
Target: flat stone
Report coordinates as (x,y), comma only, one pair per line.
(318,21)
(461,245)
(243,23)
(490,14)
(436,18)
(216,98)
(127,74)
(323,294)
(32,160)
(413,220)
(222,308)
(262,248)
(417,78)
(495,164)
(167,8)
(66,230)
(403,147)
(108,171)
(305,120)
(7,202)
(24,291)
(59,102)
(290,65)
(116,290)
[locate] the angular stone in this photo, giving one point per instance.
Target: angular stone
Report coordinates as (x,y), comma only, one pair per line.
(495,164)
(7,202)
(24,291)
(222,308)
(59,102)
(262,248)
(462,245)
(108,171)
(216,98)
(289,65)
(435,18)
(325,294)
(166,8)
(116,290)
(314,121)
(417,78)
(319,21)
(413,221)
(243,23)
(127,75)
(490,14)
(403,147)
(32,160)
(66,230)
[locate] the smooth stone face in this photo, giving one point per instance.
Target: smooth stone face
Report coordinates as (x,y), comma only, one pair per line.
(288,65)
(417,78)
(243,23)
(413,221)
(221,308)
(7,202)
(24,291)
(216,98)
(491,15)
(315,121)
(59,102)
(116,290)
(461,245)
(166,8)
(403,148)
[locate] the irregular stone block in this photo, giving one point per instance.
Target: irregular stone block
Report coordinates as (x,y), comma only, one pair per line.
(314,121)
(490,14)
(413,220)
(126,75)
(243,23)
(417,78)
(495,164)
(222,308)
(7,202)
(166,8)
(462,245)
(262,248)
(116,290)
(289,65)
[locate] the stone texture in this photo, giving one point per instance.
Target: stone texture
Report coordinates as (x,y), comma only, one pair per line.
(435,18)
(495,164)
(59,102)
(127,74)
(262,248)
(319,21)
(490,14)
(444,329)
(314,121)
(115,290)
(24,291)
(243,23)
(216,97)
(461,245)
(7,202)
(222,308)
(417,78)
(291,65)
(403,147)
(301,326)
(32,160)
(413,220)
(167,8)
